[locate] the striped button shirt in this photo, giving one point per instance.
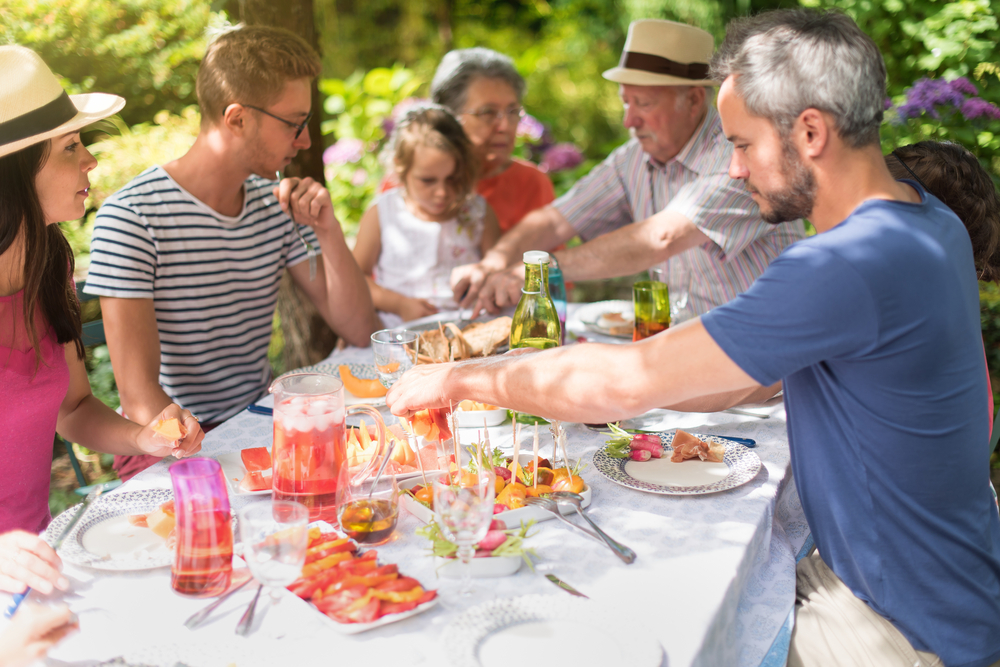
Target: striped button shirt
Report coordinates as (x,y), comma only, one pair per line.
(213,280)
(629,186)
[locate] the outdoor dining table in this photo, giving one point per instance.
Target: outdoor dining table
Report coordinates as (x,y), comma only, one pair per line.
(713,582)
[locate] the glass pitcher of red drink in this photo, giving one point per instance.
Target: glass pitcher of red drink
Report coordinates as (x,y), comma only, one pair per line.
(203,562)
(310,442)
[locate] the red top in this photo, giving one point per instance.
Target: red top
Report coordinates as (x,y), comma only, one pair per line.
(518,190)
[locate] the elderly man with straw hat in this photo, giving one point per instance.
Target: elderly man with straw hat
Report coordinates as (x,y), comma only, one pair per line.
(669,180)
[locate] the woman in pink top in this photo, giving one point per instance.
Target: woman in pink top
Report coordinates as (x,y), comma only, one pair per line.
(43,381)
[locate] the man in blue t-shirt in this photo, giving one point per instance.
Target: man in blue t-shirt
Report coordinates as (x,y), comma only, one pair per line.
(872,325)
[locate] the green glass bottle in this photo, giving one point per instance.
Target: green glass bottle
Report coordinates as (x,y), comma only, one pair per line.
(536,320)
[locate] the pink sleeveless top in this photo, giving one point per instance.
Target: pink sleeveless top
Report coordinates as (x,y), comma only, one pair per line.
(30,397)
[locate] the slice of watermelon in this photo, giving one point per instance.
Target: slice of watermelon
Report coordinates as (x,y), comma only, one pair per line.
(256,481)
(256,459)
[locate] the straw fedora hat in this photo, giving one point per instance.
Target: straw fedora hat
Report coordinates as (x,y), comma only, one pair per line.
(664,53)
(34,107)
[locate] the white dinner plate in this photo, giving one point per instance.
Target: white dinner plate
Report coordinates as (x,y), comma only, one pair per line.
(688,478)
(360,371)
(234,471)
(590,313)
(553,629)
(510,518)
(356,628)
(105,540)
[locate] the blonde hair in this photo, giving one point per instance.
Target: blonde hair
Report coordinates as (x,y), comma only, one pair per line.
(435,127)
(250,65)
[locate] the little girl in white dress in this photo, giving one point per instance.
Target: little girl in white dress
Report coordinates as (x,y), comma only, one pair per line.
(415,234)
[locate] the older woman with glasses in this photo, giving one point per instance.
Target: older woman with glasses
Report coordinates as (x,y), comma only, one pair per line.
(482,88)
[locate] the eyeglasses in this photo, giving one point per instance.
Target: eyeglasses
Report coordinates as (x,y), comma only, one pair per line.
(296,126)
(488,115)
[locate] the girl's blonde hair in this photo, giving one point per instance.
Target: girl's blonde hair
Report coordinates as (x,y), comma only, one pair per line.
(436,127)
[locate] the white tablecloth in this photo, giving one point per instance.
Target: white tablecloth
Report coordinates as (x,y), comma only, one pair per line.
(714,578)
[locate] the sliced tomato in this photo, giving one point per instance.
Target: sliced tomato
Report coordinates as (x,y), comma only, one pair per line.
(329,548)
(341,599)
(369,580)
(364,614)
(385,607)
(256,459)
(306,587)
(400,584)
(324,564)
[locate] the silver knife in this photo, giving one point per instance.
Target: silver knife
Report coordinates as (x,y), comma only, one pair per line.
(563,585)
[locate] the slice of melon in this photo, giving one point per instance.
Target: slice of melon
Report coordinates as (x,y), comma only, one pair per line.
(160,522)
(256,459)
(256,481)
(171,429)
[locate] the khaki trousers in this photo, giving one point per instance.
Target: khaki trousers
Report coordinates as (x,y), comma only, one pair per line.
(834,628)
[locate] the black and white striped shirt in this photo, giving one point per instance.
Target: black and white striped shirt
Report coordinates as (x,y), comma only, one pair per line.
(213,280)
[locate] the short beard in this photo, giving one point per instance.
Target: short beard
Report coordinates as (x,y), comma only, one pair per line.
(797,199)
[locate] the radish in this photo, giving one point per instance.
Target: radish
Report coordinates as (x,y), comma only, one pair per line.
(505,473)
(497,524)
(493,539)
(640,455)
(499,507)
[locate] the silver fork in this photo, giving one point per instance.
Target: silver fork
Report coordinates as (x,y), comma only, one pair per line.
(574,499)
(310,250)
(550,505)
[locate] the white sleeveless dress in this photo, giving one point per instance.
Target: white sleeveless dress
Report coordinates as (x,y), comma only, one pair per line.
(417,256)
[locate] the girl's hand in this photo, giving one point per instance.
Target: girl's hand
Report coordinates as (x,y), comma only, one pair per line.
(307,202)
(414,309)
(151,442)
(26,560)
(32,632)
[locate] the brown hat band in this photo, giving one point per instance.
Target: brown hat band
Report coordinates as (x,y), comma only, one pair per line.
(657,65)
(37,121)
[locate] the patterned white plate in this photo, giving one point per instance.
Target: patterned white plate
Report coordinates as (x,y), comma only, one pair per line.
(360,371)
(690,478)
(552,629)
(104,540)
(591,313)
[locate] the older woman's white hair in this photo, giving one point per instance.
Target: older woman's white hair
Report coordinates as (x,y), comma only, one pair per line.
(461,67)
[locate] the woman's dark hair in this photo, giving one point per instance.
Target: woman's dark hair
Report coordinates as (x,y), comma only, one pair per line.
(48,259)
(954,175)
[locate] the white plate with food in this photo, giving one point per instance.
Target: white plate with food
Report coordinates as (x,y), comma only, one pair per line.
(105,539)
(611,318)
(442,341)
(552,629)
(512,518)
(692,477)
(486,567)
(364,372)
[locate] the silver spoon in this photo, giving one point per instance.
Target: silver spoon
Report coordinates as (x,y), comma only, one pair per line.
(310,250)
(197,619)
(620,550)
(243,628)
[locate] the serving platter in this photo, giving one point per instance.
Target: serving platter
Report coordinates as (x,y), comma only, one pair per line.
(552,630)
(688,478)
(589,315)
(105,540)
(234,471)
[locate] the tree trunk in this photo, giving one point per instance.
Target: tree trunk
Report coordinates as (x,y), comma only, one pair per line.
(307,337)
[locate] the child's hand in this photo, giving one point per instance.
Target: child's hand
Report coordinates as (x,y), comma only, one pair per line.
(414,309)
(151,442)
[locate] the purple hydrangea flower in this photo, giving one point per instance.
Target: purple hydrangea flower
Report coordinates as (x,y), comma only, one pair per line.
(964,86)
(530,127)
(976,107)
(926,95)
(560,158)
(888,104)
(344,151)
(359,177)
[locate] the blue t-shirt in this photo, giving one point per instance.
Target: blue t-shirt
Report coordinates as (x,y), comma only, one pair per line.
(874,328)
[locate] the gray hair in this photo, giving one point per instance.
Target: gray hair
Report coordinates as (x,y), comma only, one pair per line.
(787,61)
(461,67)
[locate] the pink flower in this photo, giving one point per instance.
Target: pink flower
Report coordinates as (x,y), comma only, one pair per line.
(344,151)
(359,177)
(530,127)
(560,158)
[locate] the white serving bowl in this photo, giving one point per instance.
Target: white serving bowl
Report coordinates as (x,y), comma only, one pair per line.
(474,418)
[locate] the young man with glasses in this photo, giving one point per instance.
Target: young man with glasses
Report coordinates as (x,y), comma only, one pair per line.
(188,257)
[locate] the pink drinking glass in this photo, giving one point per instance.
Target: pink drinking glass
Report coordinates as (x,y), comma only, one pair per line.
(203,563)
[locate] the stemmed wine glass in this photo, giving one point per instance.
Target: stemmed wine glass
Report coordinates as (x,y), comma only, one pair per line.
(275,536)
(463,503)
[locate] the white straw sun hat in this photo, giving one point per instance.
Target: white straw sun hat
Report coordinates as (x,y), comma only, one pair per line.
(664,53)
(34,107)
